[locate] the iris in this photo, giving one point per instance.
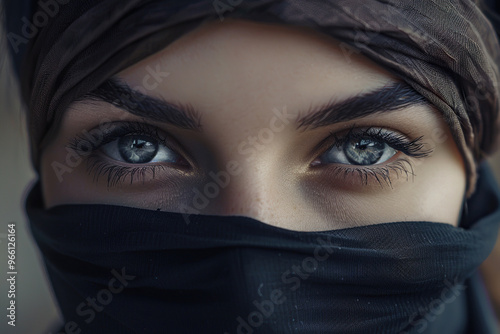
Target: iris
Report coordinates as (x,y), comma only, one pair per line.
(137,149)
(364,151)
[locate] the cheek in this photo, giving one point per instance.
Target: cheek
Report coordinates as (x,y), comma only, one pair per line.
(438,189)
(434,194)
(443,184)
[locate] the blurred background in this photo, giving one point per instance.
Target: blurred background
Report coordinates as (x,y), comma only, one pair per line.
(36,311)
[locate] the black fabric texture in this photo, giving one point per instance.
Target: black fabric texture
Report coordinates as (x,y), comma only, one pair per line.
(234,274)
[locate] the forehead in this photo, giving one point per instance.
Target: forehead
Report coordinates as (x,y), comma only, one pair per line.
(244,60)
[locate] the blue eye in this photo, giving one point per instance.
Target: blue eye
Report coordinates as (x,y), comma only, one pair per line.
(359,151)
(139,149)
(369,146)
(148,149)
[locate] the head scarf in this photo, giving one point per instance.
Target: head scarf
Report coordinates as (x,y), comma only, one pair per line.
(446,50)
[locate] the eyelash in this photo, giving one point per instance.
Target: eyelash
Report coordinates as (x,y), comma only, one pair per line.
(414,148)
(98,166)
(381,173)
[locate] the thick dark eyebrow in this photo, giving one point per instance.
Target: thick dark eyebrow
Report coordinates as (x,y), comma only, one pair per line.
(119,94)
(385,99)
(393,97)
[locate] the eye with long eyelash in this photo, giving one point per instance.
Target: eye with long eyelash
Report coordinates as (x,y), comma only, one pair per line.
(98,166)
(380,172)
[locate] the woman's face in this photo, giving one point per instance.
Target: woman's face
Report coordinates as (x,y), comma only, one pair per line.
(277,123)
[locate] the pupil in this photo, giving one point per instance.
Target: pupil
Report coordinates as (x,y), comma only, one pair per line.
(137,149)
(364,151)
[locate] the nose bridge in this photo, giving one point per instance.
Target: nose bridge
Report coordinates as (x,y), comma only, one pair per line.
(239,183)
(250,193)
(249,155)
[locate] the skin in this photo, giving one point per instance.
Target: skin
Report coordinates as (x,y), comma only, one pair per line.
(235,89)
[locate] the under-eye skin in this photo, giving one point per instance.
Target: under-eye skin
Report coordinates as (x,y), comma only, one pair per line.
(370,153)
(131,150)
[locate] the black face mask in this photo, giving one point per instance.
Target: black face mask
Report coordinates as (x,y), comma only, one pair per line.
(125,270)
